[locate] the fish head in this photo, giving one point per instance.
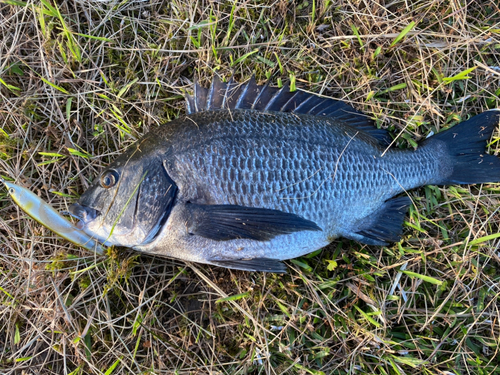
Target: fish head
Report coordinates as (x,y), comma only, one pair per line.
(130,201)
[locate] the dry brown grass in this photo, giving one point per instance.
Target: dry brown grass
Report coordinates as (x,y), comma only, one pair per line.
(63,310)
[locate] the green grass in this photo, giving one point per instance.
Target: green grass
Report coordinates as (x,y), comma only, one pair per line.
(81,81)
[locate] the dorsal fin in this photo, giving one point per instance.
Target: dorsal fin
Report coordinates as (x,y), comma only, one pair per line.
(249,95)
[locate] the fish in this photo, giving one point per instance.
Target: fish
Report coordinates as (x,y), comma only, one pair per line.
(253,175)
(46,215)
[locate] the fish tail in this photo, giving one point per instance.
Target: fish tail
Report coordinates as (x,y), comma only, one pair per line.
(465,146)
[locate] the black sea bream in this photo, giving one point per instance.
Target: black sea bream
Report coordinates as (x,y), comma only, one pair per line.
(253,175)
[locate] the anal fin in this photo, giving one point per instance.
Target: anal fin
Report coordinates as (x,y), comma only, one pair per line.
(384,225)
(256,264)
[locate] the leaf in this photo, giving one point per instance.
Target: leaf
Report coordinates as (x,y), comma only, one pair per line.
(367,317)
(50,154)
(22,359)
(78,153)
(459,76)
(50,11)
(125,126)
(399,86)
(70,42)
(410,361)
(244,57)
(63,194)
(266,61)
(293,86)
(104,96)
(403,34)
(231,23)
(68,107)
(331,265)
(283,308)
(233,298)
(95,37)
(10,87)
(484,239)
(3,290)
(47,162)
(16,69)
(355,31)
(313,254)
(76,372)
(303,265)
(17,335)
(429,279)
(54,85)
(309,370)
(279,62)
(126,87)
(14,2)
(407,223)
(113,366)
(202,24)
(87,341)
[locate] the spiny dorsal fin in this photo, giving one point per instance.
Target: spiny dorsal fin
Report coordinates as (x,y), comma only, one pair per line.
(249,95)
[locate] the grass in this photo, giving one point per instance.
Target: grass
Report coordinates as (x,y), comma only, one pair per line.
(81,80)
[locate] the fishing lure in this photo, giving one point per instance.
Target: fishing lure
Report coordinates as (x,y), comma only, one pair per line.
(50,218)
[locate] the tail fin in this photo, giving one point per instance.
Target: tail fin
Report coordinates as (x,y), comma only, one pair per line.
(465,144)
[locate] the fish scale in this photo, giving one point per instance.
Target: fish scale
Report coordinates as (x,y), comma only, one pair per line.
(253,175)
(277,185)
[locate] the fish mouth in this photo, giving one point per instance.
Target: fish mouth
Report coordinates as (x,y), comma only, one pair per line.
(84,214)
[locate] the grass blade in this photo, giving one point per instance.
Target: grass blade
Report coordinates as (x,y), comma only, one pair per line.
(244,57)
(479,240)
(429,279)
(402,34)
(355,31)
(10,87)
(53,154)
(14,2)
(367,317)
(95,37)
(63,90)
(235,297)
(112,367)
(78,153)
(459,76)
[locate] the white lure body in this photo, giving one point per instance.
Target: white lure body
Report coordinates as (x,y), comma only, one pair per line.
(50,218)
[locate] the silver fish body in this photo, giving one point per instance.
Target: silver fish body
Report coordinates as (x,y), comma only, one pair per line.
(284,162)
(244,188)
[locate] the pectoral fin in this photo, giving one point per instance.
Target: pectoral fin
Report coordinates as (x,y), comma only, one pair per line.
(229,222)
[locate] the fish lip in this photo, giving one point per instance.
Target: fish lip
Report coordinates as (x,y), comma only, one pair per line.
(83,213)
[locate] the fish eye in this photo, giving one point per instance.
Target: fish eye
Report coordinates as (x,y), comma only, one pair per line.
(109,178)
